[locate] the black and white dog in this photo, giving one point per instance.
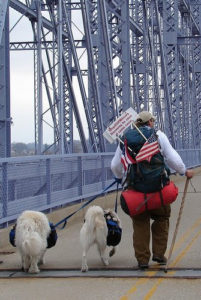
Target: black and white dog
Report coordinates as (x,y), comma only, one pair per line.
(95,231)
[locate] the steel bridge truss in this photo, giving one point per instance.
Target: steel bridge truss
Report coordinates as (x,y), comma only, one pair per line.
(93,59)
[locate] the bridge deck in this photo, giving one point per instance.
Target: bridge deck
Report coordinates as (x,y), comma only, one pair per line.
(63,261)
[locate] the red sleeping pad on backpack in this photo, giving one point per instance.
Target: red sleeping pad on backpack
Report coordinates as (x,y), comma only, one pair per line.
(134,202)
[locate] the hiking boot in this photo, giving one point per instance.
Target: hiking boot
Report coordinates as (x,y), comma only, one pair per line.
(143,266)
(161,260)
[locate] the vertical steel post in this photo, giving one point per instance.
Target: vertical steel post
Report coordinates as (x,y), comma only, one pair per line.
(38,82)
(48,180)
(5,119)
(5,189)
(60,77)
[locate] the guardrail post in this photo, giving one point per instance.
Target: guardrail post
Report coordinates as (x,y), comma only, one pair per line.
(103,177)
(79,174)
(5,188)
(48,180)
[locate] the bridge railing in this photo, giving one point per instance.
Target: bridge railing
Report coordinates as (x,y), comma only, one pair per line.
(45,182)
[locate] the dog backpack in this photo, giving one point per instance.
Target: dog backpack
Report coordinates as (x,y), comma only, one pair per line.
(144,176)
(114,231)
(12,236)
(52,238)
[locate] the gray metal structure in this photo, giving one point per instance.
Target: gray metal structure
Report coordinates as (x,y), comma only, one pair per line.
(94,59)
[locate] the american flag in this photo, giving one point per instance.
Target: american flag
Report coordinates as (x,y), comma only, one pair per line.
(126,158)
(149,148)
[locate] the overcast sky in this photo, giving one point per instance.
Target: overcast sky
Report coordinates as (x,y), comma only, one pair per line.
(22,80)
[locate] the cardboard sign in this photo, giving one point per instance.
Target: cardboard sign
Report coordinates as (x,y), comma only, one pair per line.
(117,128)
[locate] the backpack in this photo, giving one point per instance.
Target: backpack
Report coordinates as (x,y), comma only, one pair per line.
(134,203)
(12,236)
(145,176)
(52,238)
(114,231)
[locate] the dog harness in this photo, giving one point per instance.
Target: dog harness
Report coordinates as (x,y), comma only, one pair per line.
(51,239)
(12,236)
(114,230)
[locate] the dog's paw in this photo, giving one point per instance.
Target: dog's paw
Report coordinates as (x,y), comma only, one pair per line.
(34,270)
(84,269)
(105,261)
(25,268)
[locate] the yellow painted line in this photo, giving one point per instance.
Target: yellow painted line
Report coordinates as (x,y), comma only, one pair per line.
(188,232)
(135,287)
(179,257)
(153,289)
(152,273)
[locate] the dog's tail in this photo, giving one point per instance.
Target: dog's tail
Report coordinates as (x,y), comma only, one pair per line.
(112,251)
(33,244)
(94,217)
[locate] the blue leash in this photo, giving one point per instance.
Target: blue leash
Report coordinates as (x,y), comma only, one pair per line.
(85,204)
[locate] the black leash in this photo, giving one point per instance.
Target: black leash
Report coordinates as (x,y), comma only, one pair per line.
(85,204)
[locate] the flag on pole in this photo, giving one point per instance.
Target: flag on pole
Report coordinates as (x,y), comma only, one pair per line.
(150,148)
(126,158)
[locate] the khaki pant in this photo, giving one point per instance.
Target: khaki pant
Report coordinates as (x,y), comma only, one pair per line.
(159,230)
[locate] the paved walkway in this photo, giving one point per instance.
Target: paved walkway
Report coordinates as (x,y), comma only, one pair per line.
(139,285)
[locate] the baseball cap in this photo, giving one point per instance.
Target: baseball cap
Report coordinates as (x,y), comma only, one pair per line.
(145,116)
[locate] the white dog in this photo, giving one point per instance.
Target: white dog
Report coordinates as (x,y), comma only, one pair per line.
(32,230)
(95,231)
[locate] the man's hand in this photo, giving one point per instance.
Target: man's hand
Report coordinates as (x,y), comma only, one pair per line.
(189,173)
